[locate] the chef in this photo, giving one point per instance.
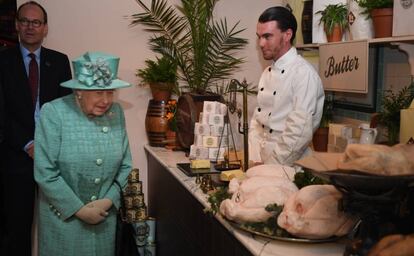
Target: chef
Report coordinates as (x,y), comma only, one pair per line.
(290,94)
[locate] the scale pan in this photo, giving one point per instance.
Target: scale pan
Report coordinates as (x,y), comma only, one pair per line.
(363,182)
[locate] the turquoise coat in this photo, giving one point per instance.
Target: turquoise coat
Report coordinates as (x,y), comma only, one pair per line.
(76,161)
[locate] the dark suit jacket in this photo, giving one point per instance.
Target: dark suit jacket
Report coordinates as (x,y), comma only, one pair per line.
(19,109)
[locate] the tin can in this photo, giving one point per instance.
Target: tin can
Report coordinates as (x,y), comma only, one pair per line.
(129,202)
(138,200)
(141,213)
(141,250)
(131,215)
(141,232)
(151,229)
(150,249)
(134,188)
(133,175)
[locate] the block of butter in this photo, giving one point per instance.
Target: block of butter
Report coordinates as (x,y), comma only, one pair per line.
(200,164)
(228,175)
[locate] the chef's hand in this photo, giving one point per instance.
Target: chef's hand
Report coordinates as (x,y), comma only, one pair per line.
(91,215)
(105,204)
(394,245)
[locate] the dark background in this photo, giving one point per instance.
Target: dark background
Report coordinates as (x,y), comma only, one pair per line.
(8,35)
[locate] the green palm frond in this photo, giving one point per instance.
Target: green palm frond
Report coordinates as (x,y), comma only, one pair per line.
(203,49)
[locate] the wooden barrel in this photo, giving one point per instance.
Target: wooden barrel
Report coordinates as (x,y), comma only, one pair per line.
(189,107)
(156,123)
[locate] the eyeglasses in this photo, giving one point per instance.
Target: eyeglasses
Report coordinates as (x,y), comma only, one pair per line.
(35,23)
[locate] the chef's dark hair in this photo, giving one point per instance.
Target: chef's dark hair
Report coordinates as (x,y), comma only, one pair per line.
(284,17)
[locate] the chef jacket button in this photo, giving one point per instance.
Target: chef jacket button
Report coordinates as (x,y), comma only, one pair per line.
(58,214)
(105,129)
(283,71)
(274,93)
(97,180)
(93,198)
(99,161)
(270,113)
(270,69)
(259,109)
(270,131)
(50,206)
(261,89)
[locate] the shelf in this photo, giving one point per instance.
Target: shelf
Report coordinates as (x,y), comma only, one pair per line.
(397,39)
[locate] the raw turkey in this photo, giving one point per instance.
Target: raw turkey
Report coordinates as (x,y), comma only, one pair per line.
(313,213)
(379,159)
(251,195)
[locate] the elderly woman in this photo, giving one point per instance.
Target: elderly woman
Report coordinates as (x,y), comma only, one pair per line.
(81,148)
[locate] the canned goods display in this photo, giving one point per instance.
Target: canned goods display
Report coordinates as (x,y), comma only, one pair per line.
(134,188)
(138,200)
(141,250)
(151,229)
(141,232)
(141,213)
(134,175)
(150,249)
(129,202)
(131,215)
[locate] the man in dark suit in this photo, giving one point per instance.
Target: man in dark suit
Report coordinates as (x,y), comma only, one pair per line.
(30,76)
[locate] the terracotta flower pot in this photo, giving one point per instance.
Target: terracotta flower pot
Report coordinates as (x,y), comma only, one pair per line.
(336,35)
(382,21)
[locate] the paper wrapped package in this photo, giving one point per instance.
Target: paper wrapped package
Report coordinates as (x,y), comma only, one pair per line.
(407,124)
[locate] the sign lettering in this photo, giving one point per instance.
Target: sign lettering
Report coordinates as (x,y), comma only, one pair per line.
(346,65)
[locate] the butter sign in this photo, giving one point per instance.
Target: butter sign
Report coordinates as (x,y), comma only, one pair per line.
(343,66)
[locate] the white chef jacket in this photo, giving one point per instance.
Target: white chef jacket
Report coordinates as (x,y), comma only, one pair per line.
(290,101)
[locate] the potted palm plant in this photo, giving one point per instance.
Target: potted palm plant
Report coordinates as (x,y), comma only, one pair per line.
(204,49)
(335,20)
(381,12)
(161,76)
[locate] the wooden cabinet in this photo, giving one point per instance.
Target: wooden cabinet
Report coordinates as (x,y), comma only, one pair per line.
(182,226)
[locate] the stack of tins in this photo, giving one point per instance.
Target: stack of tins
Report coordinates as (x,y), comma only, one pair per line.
(156,123)
(136,212)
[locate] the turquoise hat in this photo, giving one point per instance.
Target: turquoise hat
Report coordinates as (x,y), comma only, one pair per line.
(95,71)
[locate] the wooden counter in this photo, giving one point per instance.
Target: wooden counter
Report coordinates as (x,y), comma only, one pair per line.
(183,228)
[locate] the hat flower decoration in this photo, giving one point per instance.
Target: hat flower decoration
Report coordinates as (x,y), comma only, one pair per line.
(95,71)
